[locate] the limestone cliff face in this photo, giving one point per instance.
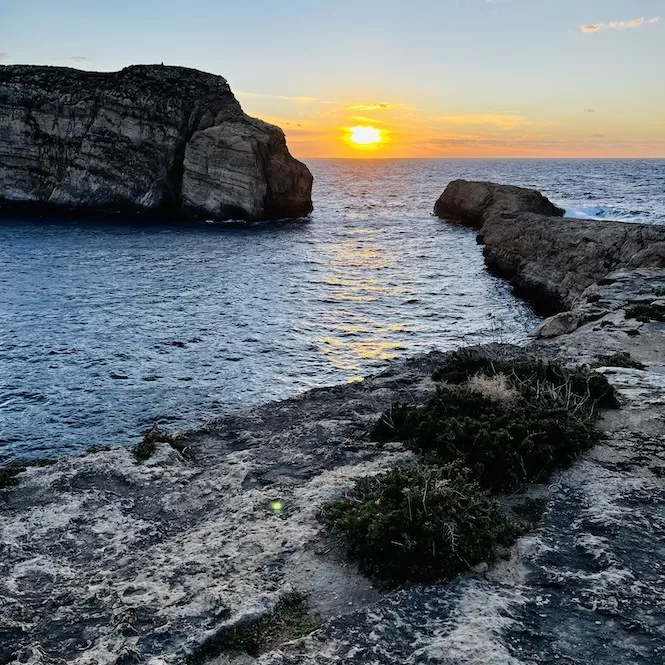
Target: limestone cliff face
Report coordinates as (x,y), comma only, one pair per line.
(550,259)
(157,139)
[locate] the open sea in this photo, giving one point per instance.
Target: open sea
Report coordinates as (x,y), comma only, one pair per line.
(107,328)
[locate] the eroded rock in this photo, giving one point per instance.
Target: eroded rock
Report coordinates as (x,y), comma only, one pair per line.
(558,258)
(550,260)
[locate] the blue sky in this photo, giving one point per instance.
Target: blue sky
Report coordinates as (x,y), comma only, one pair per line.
(456,77)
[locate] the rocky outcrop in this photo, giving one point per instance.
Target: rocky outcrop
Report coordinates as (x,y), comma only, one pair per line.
(149,139)
(550,260)
(469,203)
(108,561)
(560,258)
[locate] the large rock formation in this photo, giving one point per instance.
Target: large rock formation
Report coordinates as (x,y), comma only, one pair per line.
(165,140)
(550,259)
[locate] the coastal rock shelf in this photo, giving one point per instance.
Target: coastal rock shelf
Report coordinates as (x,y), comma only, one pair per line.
(150,139)
(470,203)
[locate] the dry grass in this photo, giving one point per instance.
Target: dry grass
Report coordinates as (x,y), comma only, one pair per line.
(497,388)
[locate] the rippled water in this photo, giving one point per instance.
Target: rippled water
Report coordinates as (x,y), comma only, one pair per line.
(106,328)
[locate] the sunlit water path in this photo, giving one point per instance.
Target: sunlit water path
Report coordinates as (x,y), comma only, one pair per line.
(107,328)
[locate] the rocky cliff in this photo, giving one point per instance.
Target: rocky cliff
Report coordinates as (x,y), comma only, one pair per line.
(549,259)
(155,139)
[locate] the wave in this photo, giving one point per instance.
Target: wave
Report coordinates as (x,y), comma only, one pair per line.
(590,212)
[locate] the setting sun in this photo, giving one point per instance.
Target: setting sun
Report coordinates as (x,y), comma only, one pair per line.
(364,135)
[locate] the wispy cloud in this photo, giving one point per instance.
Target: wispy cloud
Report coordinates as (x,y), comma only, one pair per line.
(618,25)
(365,119)
(78,58)
(380,106)
(504,121)
(295,100)
(4,56)
(589,110)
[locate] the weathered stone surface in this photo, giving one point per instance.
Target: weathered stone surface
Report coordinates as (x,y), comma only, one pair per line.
(470,202)
(152,139)
(104,559)
(560,258)
(610,306)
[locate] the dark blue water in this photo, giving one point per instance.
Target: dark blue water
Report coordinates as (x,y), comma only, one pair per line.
(107,328)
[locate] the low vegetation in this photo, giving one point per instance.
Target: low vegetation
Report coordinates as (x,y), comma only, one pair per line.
(493,425)
(289,619)
(146,448)
(422,523)
(8,476)
(647,312)
(512,422)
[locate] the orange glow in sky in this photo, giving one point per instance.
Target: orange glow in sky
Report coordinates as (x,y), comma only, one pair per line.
(543,78)
(396,129)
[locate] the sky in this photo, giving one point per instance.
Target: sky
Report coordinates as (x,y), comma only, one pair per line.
(435,78)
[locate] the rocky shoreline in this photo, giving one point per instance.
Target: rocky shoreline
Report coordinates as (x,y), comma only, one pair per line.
(106,560)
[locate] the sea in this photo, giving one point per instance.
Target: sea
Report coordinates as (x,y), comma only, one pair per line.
(109,327)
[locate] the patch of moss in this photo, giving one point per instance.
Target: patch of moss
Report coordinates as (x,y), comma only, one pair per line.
(423,523)
(8,473)
(146,448)
(289,620)
(622,359)
(508,437)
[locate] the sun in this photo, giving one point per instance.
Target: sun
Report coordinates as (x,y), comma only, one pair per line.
(365,135)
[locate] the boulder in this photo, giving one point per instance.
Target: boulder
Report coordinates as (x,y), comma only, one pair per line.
(470,203)
(149,139)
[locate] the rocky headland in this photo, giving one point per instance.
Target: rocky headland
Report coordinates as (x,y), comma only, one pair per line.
(147,139)
(107,559)
(549,259)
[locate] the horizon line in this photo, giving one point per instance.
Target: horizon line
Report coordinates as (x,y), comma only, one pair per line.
(587,159)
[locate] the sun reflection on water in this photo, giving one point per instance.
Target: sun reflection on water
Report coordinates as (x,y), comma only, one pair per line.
(350,265)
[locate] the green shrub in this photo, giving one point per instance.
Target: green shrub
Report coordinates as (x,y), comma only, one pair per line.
(288,620)
(529,375)
(423,523)
(511,421)
(146,448)
(646,312)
